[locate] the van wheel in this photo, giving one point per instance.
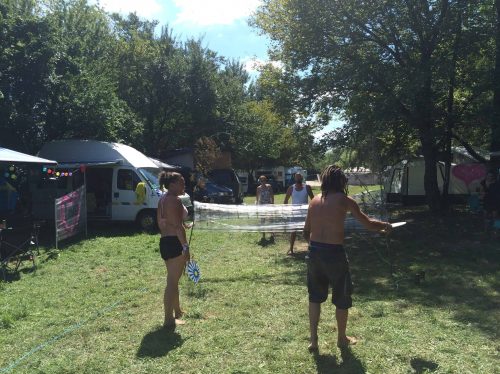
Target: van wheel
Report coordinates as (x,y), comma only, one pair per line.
(147,220)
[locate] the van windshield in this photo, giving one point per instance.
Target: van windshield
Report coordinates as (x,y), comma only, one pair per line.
(151,175)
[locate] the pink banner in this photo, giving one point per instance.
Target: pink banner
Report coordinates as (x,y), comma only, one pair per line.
(71,214)
(469,172)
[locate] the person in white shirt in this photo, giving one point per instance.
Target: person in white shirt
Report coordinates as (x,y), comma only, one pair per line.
(300,194)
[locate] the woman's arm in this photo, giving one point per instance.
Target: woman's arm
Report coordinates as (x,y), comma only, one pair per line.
(179,220)
(288,194)
(158,213)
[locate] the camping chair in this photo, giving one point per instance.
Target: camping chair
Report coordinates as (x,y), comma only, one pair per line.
(17,245)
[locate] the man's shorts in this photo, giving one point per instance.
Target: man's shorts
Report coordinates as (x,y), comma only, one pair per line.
(328,267)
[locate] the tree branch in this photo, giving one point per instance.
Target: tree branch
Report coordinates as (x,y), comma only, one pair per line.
(469,149)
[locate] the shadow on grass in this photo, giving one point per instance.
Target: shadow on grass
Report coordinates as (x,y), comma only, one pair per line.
(159,342)
(420,365)
(112,229)
(458,262)
(266,242)
(327,364)
(297,277)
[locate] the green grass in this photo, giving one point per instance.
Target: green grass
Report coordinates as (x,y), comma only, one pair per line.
(97,307)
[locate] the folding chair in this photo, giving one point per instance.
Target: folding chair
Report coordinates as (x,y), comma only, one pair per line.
(16,246)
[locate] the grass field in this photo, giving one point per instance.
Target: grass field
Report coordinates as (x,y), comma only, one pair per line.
(96,305)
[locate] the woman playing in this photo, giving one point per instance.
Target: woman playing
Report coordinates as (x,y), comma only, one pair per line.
(264,195)
(174,248)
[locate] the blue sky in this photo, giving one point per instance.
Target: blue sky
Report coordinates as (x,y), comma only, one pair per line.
(221,24)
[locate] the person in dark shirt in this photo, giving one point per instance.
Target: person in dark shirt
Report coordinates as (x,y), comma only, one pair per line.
(491,199)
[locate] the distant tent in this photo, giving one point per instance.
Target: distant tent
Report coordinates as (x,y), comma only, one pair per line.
(404,181)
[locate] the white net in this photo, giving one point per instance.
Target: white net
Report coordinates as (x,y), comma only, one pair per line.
(258,218)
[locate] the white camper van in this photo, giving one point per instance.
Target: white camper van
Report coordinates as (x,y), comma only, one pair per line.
(282,175)
(121,182)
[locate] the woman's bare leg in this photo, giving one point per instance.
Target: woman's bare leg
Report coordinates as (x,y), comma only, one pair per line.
(175,267)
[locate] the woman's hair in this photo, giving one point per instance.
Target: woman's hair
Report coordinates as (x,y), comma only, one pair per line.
(333,179)
(263,177)
(167,177)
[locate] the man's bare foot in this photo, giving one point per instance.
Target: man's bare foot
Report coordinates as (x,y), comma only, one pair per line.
(290,252)
(349,340)
(171,323)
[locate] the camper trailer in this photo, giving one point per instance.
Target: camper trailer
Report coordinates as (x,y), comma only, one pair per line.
(121,182)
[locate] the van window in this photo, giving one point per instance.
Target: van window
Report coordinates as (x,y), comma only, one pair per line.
(127,180)
(151,175)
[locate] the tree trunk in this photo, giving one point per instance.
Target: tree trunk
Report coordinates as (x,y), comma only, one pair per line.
(432,194)
(450,115)
(425,125)
(495,123)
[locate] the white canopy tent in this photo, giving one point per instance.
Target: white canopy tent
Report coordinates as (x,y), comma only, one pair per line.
(8,155)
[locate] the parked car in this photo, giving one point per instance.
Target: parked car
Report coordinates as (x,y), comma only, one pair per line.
(210,192)
(228,178)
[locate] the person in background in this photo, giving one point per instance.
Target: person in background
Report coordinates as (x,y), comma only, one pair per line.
(491,203)
(300,194)
(264,196)
(327,264)
(174,247)
(200,192)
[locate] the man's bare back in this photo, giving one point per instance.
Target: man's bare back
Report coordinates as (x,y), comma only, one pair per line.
(326,217)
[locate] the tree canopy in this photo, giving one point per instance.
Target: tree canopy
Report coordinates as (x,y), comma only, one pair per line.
(68,69)
(405,75)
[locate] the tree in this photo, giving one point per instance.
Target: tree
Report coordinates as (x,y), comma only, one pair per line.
(206,154)
(26,68)
(390,60)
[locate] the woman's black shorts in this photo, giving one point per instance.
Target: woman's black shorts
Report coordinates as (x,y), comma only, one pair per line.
(170,247)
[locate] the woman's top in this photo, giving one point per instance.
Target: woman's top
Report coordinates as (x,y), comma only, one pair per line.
(265,195)
(299,197)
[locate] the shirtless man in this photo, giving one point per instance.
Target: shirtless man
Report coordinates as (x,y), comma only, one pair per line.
(328,264)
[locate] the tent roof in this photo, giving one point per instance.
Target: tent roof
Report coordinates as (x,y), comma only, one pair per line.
(8,155)
(74,151)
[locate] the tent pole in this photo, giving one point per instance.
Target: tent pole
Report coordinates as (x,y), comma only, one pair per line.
(85,199)
(55,220)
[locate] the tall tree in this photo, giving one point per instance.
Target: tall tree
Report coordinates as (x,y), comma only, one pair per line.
(390,55)
(495,124)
